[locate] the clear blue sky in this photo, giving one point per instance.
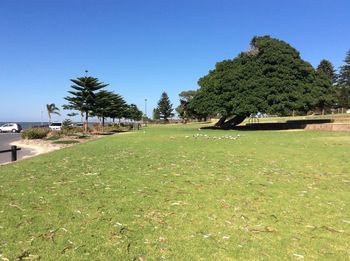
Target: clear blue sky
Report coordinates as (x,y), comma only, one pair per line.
(142,48)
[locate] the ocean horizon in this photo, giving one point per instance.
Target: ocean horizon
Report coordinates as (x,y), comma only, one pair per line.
(26,125)
(31,124)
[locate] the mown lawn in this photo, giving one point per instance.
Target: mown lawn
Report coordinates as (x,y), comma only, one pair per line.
(161,193)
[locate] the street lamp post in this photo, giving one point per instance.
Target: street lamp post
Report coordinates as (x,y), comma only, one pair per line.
(146,112)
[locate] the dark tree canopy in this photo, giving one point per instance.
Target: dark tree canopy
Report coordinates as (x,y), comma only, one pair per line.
(327,95)
(90,99)
(133,113)
(118,107)
(83,96)
(327,68)
(108,104)
(269,78)
(184,112)
(103,104)
(344,83)
(165,108)
(156,114)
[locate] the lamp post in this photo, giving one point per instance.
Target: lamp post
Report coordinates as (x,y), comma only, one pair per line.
(146,112)
(86,124)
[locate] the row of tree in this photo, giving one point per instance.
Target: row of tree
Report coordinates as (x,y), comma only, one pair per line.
(90,99)
(270,78)
(340,81)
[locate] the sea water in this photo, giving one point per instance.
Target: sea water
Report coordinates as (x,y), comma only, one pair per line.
(26,125)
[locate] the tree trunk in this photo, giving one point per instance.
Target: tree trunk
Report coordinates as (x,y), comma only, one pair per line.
(220,122)
(103,121)
(86,121)
(232,122)
(49,118)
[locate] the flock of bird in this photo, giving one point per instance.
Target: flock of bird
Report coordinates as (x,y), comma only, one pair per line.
(225,137)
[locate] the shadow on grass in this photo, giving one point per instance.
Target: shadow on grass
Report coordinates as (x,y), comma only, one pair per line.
(288,125)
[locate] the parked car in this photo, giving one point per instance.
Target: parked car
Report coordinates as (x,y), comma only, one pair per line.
(56,126)
(78,124)
(11,127)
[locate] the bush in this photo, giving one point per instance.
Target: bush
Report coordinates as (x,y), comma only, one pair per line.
(113,129)
(67,123)
(70,131)
(35,133)
(65,142)
(55,137)
(97,128)
(53,134)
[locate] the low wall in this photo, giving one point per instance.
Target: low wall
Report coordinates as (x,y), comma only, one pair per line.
(328,127)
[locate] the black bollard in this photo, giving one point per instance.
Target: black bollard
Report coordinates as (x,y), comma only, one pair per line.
(13,153)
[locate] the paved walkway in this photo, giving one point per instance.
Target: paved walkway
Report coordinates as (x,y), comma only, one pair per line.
(5,140)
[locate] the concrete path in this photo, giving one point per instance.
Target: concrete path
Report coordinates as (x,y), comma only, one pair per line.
(5,140)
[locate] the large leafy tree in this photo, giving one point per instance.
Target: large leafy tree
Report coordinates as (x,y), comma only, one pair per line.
(183,110)
(52,109)
(83,97)
(269,78)
(75,103)
(202,106)
(327,93)
(326,67)
(103,105)
(344,83)
(134,113)
(156,114)
(165,107)
(109,104)
(118,107)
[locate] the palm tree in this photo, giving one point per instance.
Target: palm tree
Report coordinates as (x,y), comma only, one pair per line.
(52,109)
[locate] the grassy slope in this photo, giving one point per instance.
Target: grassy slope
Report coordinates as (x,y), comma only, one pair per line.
(342,118)
(160,194)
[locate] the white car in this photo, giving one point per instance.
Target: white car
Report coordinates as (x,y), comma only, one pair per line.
(78,124)
(11,127)
(56,126)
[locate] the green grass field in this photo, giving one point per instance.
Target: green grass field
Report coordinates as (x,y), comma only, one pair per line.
(161,193)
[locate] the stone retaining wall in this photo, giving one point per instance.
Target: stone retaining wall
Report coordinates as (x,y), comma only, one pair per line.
(328,127)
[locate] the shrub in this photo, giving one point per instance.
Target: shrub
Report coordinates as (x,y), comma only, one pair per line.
(67,123)
(55,137)
(35,133)
(65,142)
(116,128)
(70,131)
(112,129)
(83,137)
